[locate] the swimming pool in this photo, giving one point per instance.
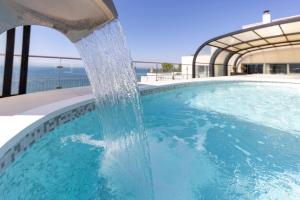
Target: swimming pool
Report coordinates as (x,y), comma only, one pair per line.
(228,140)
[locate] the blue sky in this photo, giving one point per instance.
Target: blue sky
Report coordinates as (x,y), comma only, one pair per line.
(167,29)
(164,30)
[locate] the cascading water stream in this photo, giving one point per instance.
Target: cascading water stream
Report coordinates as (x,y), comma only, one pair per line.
(126,161)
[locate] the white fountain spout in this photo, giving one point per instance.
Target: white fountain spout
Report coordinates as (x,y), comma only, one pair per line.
(74,18)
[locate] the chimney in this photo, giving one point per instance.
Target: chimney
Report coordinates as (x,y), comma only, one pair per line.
(266,17)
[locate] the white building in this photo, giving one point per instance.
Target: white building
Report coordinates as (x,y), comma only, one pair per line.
(270,46)
(202,64)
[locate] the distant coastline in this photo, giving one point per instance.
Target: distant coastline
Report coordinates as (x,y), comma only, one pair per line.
(48,78)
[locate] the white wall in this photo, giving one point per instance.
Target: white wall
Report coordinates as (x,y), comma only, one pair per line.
(202,59)
(285,55)
(187,65)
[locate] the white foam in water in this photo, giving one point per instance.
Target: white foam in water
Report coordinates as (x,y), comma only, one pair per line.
(242,150)
(84,139)
(267,186)
(201,135)
(268,104)
(281,186)
(108,63)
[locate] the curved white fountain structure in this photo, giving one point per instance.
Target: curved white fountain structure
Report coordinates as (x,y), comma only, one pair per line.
(92,26)
(74,18)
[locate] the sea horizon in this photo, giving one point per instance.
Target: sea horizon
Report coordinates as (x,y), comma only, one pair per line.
(42,78)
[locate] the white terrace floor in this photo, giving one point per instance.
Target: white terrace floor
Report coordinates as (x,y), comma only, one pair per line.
(19,113)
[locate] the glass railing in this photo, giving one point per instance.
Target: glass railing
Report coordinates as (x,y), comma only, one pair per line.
(49,72)
(158,71)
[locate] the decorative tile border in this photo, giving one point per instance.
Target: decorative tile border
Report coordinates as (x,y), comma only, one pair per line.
(159,89)
(33,136)
(164,88)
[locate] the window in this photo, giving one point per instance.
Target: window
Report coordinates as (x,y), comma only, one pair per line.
(202,71)
(278,68)
(294,68)
(253,68)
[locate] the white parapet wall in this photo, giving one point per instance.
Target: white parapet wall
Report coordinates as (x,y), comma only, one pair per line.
(201,65)
(187,68)
(166,76)
(150,77)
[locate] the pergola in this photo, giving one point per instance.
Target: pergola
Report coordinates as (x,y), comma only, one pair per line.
(233,46)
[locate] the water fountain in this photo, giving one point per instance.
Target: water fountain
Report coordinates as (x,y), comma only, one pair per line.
(93,26)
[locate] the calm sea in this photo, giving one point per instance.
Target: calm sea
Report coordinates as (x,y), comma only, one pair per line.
(48,78)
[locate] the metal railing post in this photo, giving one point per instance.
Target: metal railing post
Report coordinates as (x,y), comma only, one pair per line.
(187,73)
(59,68)
(173,72)
(8,63)
(156,71)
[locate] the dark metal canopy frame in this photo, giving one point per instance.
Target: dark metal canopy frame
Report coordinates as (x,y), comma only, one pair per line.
(277,34)
(9,62)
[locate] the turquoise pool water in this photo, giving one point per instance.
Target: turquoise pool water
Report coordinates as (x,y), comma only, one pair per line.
(235,140)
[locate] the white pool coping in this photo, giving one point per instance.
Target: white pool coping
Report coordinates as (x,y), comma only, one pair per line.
(20,114)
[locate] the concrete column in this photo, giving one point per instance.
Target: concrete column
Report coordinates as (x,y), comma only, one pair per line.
(288,69)
(264,68)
